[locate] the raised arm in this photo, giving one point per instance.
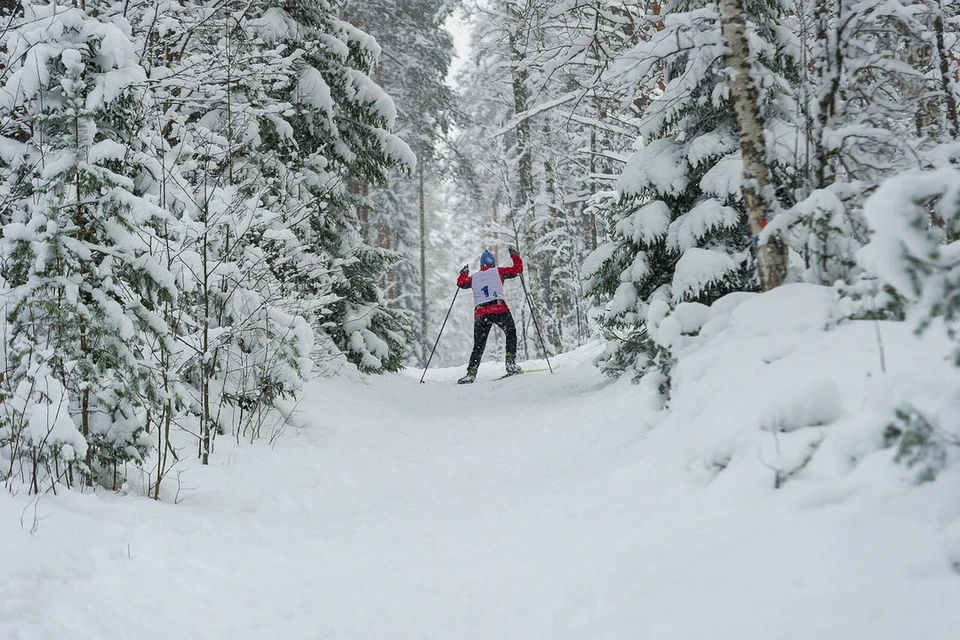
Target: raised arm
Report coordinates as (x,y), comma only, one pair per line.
(516,268)
(464,281)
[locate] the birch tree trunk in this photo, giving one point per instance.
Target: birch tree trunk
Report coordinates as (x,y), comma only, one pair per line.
(758,198)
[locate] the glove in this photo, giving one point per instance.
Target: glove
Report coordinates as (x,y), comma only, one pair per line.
(465,270)
(513,251)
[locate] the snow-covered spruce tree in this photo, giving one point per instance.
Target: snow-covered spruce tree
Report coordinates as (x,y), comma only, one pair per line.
(84,328)
(580,129)
(401,215)
(230,172)
(678,228)
(241,353)
(341,125)
(162,157)
(915,246)
(276,99)
(915,250)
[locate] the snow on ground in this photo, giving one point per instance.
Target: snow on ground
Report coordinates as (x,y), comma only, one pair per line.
(561,506)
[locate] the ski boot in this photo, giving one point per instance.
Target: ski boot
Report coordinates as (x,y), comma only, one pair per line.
(470,377)
(512,367)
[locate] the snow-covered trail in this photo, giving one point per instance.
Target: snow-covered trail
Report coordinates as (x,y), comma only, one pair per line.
(535,507)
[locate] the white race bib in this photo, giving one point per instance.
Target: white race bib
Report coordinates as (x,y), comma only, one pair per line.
(487,286)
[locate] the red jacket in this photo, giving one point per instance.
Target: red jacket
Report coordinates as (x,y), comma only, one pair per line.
(465,282)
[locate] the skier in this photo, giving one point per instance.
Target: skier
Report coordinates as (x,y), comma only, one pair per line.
(491,309)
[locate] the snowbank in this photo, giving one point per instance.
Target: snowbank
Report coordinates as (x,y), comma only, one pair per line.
(764,503)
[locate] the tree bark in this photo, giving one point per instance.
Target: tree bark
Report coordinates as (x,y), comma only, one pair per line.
(424,346)
(524,200)
(591,239)
(496,222)
(206,366)
(828,70)
(950,101)
(524,158)
(758,196)
(554,328)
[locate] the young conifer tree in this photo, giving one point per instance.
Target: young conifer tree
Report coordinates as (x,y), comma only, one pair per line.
(242,352)
(340,134)
(679,230)
(84,329)
(401,212)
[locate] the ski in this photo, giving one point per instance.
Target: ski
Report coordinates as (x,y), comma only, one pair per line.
(508,375)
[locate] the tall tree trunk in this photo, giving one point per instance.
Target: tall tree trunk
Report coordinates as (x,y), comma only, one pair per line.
(591,239)
(496,223)
(364,190)
(657,10)
(758,195)
(229,59)
(524,157)
(80,220)
(828,70)
(206,363)
(424,346)
(949,99)
(524,200)
(554,328)
(85,416)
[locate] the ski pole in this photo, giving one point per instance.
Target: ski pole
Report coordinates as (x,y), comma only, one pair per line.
(439,334)
(533,315)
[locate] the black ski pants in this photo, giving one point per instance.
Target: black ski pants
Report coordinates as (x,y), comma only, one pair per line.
(481,330)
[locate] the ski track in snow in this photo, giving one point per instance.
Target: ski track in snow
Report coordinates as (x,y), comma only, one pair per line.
(534,507)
